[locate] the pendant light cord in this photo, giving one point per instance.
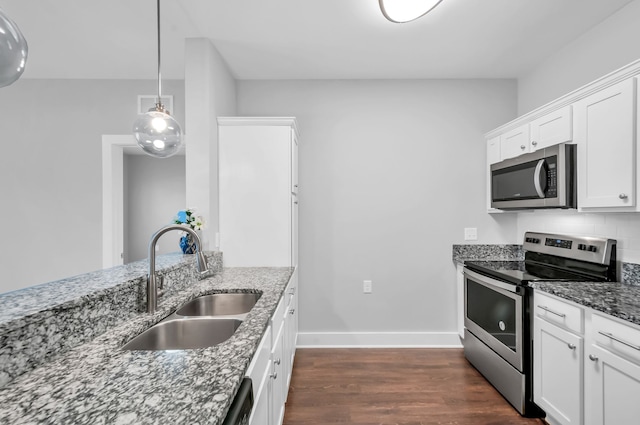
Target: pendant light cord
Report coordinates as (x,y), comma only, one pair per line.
(159,103)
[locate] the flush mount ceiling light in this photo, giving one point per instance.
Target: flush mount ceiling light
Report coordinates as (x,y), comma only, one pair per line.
(157,132)
(400,11)
(13,51)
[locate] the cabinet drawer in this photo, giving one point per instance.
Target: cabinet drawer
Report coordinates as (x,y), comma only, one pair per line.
(616,337)
(559,312)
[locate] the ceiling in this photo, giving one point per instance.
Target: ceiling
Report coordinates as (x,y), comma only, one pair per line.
(300,39)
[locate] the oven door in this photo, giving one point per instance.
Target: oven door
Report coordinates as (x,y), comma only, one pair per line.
(493,313)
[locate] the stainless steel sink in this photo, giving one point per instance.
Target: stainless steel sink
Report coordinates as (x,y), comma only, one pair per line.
(219,305)
(180,334)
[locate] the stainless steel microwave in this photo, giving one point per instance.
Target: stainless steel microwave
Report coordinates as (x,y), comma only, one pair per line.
(545,178)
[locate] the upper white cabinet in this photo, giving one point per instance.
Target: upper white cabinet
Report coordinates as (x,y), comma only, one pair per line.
(551,129)
(515,142)
(605,133)
(258,191)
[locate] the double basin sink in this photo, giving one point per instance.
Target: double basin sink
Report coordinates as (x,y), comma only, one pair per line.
(203,322)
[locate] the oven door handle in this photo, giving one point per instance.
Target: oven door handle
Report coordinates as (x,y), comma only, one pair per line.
(485,280)
(537,178)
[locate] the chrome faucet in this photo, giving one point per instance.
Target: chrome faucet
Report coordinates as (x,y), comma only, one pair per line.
(152,286)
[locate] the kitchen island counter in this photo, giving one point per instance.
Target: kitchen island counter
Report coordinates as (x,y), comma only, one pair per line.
(98,382)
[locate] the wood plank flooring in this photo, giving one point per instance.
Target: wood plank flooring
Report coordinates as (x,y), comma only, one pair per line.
(393,386)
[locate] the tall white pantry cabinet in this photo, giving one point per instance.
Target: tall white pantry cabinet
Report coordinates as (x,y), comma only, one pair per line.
(258,178)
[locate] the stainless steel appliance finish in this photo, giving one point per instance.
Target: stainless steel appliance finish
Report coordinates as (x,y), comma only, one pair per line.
(498,306)
(542,179)
(240,409)
(495,315)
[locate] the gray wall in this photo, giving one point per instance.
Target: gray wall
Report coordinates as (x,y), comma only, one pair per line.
(154,193)
(390,174)
(50,171)
(603,49)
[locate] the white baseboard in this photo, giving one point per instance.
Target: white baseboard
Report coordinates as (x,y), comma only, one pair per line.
(379,339)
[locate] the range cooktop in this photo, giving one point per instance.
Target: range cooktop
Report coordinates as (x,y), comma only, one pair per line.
(555,257)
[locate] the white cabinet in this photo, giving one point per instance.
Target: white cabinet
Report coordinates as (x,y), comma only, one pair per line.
(271,367)
(586,367)
(258,371)
(460,299)
(515,142)
(558,361)
(612,373)
(551,129)
(278,379)
(258,191)
(493,156)
(604,129)
(290,328)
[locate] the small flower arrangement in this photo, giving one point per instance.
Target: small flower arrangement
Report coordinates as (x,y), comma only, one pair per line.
(189,218)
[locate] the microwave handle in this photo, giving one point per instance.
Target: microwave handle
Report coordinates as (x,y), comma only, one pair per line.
(537,178)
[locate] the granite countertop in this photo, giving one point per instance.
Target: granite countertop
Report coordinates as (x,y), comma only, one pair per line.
(614,298)
(98,382)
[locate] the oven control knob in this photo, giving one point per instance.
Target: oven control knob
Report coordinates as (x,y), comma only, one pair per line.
(582,247)
(593,248)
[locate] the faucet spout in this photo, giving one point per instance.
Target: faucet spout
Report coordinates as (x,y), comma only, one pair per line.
(152,286)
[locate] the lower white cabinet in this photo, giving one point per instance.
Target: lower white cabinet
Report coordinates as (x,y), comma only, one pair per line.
(271,366)
(586,364)
(612,373)
(558,377)
(259,371)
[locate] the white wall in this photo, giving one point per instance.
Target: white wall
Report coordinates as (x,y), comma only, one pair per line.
(210,93)
(154,193)
(390,174)
(624,227)
(603,49)
(50,171)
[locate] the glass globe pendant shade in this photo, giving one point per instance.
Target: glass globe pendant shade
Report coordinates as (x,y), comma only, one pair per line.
(13,51)
(401,11)
(157,133)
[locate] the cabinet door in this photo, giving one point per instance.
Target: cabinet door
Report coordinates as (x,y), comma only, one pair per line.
(295,200)
(612,388)
(493,156)
(515,142)
(604,132)
(552,129)
(255,195)
(557,385)
(291,328)
(277,381)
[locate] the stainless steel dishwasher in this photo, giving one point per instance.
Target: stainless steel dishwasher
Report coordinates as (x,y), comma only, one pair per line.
(240,409)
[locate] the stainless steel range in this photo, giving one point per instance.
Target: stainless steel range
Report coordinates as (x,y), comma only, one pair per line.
(498,316)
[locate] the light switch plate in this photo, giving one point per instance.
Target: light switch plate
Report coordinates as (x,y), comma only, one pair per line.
(470,233)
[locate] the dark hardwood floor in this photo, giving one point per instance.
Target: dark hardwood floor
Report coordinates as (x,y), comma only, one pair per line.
(393,386)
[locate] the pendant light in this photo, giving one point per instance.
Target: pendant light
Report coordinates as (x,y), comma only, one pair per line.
(13,51)
(400,11)
(157,132)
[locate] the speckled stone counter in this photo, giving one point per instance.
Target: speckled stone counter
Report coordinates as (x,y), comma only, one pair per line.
(39,323)
(461,253)
(98,382)
(614,298)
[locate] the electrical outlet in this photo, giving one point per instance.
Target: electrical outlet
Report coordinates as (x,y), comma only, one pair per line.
(470,233)
(367,287)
